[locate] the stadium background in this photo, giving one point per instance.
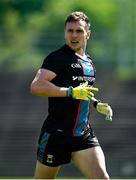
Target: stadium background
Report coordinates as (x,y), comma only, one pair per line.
(29,30)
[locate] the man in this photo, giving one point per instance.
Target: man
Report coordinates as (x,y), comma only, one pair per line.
(66,77)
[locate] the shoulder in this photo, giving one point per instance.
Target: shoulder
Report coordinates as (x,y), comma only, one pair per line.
(62,52)
(91,61)
(56,60)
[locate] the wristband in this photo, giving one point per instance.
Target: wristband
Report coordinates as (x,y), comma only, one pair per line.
(70,91)
(95,103)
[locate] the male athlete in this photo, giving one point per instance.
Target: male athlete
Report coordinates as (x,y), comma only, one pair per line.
(66,78)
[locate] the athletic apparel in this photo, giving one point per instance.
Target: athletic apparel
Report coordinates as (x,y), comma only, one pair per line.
(56,149)
(66,115)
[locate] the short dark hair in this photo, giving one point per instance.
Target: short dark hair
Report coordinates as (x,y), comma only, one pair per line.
(77,16)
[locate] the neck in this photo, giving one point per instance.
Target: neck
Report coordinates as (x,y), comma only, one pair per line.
(80,52)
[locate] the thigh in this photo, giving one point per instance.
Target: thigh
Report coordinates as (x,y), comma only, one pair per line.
(91,162)
(51,151)
(45,172)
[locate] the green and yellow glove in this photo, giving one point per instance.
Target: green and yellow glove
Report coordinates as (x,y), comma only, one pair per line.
(81,92)
(105,109)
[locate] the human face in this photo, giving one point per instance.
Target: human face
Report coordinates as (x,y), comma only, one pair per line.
(76,36)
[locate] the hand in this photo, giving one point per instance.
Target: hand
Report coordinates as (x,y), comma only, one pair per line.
(105,109)
(83,92)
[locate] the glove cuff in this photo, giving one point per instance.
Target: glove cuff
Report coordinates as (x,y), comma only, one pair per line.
(70,91)
(95,103)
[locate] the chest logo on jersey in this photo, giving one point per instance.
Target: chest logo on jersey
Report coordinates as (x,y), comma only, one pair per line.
(75,65)
(83,78)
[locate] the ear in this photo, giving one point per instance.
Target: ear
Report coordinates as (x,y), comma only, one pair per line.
(88,35)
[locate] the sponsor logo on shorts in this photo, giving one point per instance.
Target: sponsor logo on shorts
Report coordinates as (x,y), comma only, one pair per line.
(49,158)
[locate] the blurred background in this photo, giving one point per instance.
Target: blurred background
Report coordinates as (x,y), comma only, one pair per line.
(29,30)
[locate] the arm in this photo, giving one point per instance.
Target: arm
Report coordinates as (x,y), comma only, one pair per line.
(41,85)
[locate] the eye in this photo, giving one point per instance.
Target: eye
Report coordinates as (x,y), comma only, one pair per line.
(79,30)
(70,30)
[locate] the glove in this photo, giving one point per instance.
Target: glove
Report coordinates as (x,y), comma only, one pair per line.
(81,92)
(105,109)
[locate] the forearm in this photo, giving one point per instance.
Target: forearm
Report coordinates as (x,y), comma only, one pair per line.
(48,89)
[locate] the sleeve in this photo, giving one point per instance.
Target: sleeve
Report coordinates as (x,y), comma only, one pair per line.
(52,63)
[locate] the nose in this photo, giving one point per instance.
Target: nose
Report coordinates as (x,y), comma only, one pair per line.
(74,34)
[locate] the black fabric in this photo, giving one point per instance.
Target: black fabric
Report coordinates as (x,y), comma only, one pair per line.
(55,150)
(70,71)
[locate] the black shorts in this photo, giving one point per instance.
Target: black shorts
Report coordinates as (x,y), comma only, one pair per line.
(55,149)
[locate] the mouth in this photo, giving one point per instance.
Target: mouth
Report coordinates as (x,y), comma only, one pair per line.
(74,42)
